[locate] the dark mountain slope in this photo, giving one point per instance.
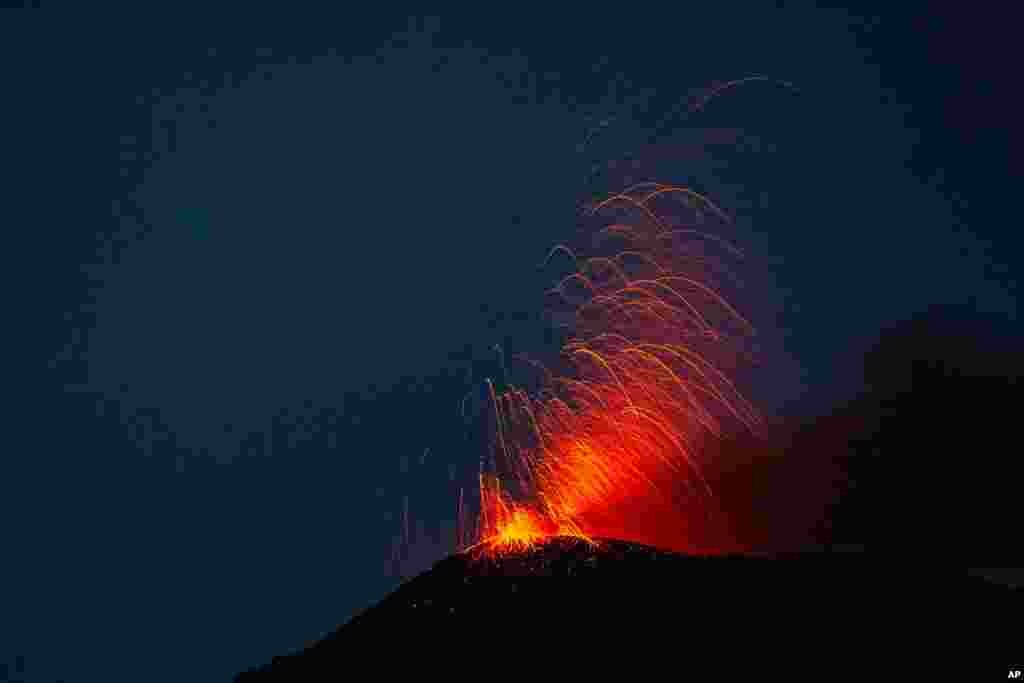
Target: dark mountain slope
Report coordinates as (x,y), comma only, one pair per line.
(567,594)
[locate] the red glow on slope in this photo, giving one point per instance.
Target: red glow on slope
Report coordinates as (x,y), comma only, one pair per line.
(612,445)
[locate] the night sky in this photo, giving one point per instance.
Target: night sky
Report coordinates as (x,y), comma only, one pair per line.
(258,281)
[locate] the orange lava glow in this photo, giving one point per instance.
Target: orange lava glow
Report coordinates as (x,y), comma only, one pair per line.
(611,445)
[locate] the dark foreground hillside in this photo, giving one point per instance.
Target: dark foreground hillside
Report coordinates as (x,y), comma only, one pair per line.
(618,601)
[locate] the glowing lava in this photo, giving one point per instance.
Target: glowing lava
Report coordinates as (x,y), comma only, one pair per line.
(611,445)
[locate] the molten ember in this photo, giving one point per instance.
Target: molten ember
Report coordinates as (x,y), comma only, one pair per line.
(610,445)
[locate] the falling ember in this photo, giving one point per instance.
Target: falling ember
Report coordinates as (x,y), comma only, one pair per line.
(601,449)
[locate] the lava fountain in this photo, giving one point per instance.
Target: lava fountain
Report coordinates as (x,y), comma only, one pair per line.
(611,445)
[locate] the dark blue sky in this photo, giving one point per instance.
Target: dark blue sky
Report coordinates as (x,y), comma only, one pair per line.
(260,280)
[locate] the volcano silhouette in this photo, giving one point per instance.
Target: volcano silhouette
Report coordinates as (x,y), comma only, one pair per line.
(836,604)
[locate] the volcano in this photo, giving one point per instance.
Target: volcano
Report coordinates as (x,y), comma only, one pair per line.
(840,604)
